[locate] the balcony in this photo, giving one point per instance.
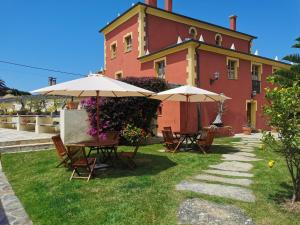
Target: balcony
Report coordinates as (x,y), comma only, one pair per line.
(256,86)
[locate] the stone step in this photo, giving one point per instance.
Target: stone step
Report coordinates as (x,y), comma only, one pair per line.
(234,181)
(232,157)
(228,173)
(219,190)
(27,147)
(233,166)
(197,211)
(25,142)
(247,154)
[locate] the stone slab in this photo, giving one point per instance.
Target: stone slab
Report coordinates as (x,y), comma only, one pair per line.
(228,173)
(246,149)
(219,190)
(231,157)
(237,181)
(201,212)
(233,166)
(247,154)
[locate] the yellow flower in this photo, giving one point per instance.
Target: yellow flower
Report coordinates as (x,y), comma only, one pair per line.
(271,163)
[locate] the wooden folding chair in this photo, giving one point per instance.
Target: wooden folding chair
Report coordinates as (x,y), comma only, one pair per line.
(206,139)
(61,151)
(174,134)
(82,166)
(172,144)
(128,157)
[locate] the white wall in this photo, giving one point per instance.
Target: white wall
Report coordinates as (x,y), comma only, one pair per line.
(74,125)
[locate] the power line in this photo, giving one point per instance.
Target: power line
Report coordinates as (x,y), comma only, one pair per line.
(41,68)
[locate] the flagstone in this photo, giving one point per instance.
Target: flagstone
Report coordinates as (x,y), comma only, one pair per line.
(228,173)
(232,157)
(201,212)
(247,154)
(237,181)
(233,166)
(225,191)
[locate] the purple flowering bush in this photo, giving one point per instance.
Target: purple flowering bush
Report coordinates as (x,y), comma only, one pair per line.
(117,113)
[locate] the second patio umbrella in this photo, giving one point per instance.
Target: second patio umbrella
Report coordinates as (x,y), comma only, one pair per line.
(188,94)
(95,85)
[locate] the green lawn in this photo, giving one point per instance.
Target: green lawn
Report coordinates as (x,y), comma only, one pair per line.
(146,195)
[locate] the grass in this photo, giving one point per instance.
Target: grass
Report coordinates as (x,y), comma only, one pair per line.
(143,196)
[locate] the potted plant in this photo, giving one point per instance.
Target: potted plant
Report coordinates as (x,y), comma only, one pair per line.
(72,105)
(247,129)
(134,135)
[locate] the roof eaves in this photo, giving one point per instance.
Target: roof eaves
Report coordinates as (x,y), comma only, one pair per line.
(177,14)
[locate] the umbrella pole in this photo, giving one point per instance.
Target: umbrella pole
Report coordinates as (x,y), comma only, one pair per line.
(187,113)
(97,115)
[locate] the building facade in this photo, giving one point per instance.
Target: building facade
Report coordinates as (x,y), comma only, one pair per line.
(149,41)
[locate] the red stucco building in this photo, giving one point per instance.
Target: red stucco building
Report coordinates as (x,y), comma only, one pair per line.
(148,41)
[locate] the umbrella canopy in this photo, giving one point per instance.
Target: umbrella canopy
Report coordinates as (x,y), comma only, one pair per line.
(95,85)
(189,93)
(91,85)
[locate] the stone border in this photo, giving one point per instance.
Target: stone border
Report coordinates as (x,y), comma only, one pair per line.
(11,209)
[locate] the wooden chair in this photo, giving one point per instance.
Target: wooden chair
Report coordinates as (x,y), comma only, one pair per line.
(206,139)
(172,144)
(82,165)
(128,157)
(61,151)
(170,129)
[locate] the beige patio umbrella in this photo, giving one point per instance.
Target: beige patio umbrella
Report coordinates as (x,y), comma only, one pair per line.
(188,93)
(95,85)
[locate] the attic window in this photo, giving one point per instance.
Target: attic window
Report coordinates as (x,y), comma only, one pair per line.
(218,39)
(193,32)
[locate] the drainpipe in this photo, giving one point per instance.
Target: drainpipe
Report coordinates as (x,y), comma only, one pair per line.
(199,125)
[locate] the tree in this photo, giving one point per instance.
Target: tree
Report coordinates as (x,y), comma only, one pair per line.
(286,77)
(283,112)
(2,84)
(2,87)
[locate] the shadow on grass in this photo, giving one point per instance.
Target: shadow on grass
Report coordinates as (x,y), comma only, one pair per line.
(215,149)
(284,192)
(147,164)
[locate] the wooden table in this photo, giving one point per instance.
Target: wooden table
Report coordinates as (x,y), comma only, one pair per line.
(187,136)
(108,148)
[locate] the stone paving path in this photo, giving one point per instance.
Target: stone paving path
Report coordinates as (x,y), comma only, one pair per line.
(11,209)
(228,179)
(14,135)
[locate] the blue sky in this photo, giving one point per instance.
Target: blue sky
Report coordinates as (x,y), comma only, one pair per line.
(63,34)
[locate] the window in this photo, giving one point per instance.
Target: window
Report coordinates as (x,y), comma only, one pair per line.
(113,50)
(160,66)
(119,75)
(193,32)
(159,110)
(256,77)
(232,65)
(218,39)
(128,42)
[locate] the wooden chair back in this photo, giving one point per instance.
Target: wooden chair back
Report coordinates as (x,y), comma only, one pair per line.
(168,128)
(208,135)
(59,146)
(168,136)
